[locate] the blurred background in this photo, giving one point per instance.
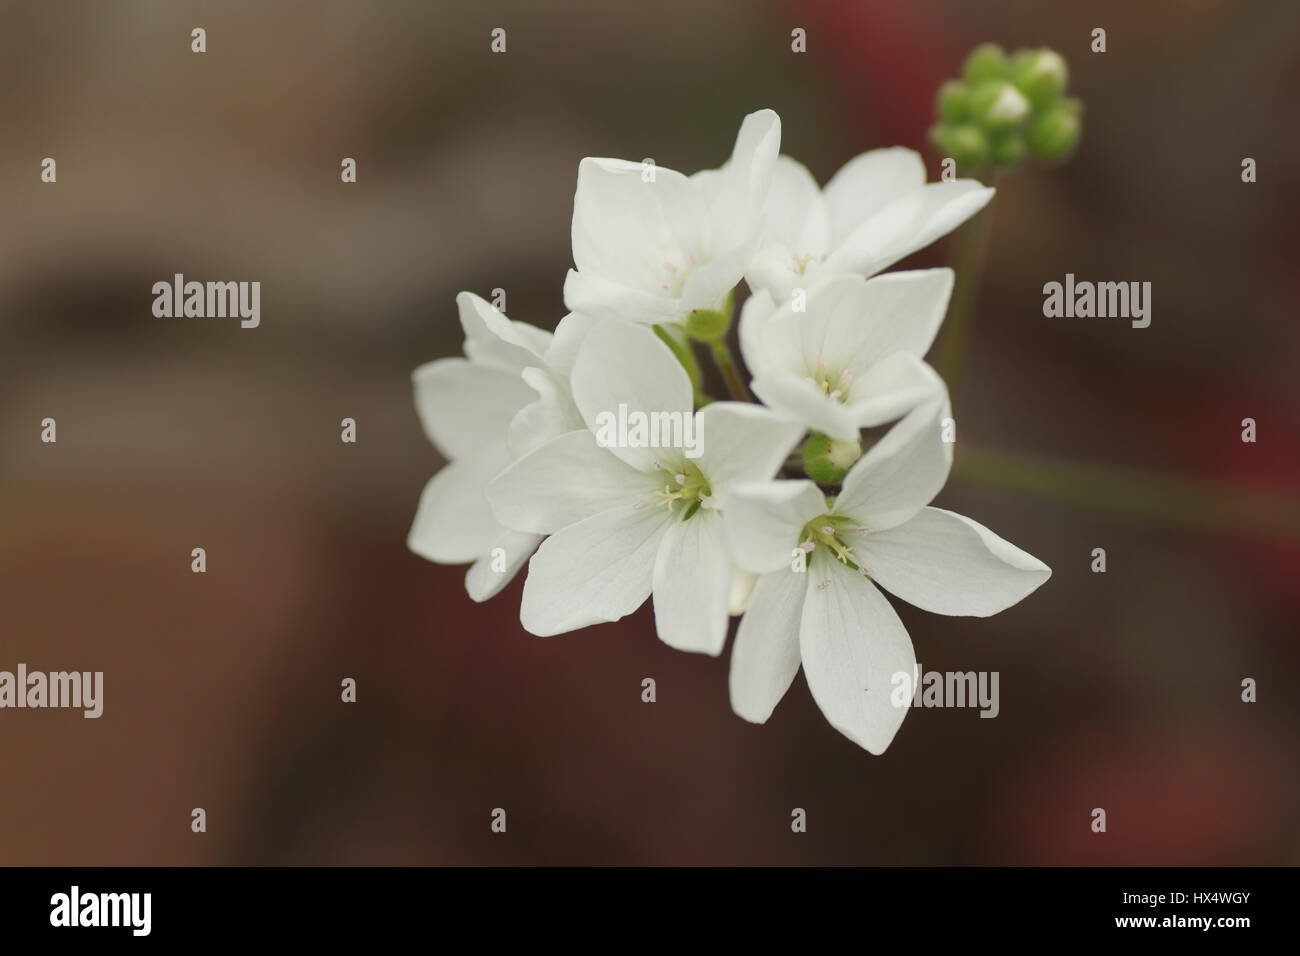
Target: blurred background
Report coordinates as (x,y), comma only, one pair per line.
(222,690)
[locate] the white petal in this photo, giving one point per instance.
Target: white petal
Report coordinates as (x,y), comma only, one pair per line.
(796,397)
(866,184)
(708,284)
(627,226)
(900,474)
(453,523)
(742,586)
(907,224)
(595,295)
(565,480)
(464,406)
(852,322)
(772,270)
(549,416)
(596,570)
(765,657)
(795,214)
(736,212)
(492,339)
(627,365)
(853,645)
(763,522)
(948,564)
(483,581)
(635,237)
(709,182)
(741,442)
(890,389)
(898,312)
(754,316)
(570,333)
(692,584)
(823,333)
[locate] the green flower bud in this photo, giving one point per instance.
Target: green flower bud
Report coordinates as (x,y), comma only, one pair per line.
(1009,150)
(988,61)
(996,104)
(707,325)
(953,102)
(827,460)
(1054,135)
(1041,75)
(964,142)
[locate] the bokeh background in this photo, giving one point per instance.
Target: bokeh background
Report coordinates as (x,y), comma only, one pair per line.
(1119,690)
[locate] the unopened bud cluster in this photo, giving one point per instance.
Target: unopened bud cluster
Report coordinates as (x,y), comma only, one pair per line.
(1005,109)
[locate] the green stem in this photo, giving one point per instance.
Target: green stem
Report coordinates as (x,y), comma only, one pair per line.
(1131,493)
(967,262)
(681,348)
(722,358)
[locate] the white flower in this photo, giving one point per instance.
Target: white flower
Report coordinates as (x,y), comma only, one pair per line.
(853,359)
(552,413)
(832,618)
(628,521)
(876,210)
(652,245)
(467,407)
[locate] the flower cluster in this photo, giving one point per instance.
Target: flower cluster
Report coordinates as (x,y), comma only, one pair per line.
(594,454)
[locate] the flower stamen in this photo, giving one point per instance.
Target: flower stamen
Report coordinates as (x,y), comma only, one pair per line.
(827,530)
(691,488)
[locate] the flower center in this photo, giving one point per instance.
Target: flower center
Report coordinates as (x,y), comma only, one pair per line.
(834,532)
(688,486)
(834,385)
(675,274)
(801,263)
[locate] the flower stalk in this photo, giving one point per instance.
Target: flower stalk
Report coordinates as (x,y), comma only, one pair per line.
(1133,493)
(726,364)
(680,345)
(968,255)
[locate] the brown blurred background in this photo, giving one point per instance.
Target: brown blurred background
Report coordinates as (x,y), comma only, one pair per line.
(1119,690)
